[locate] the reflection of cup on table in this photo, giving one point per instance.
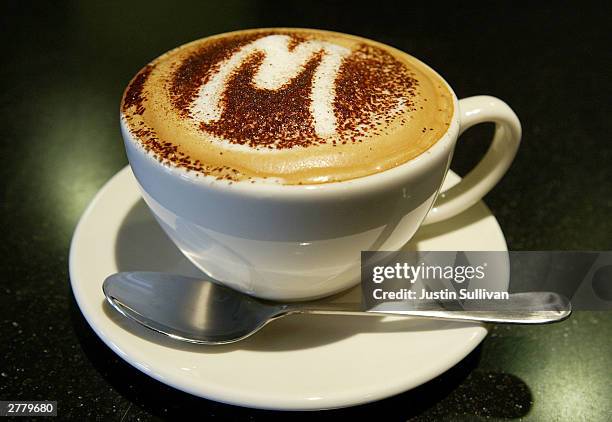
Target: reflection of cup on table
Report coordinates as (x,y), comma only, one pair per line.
(272,158)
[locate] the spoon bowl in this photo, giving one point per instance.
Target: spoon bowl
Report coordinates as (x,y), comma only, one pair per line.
(186,308)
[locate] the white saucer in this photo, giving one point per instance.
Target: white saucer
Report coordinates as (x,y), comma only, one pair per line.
(300,362)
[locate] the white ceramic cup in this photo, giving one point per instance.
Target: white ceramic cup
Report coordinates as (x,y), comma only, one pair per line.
(297,242)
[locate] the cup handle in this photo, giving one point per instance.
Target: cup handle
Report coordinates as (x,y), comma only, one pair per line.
(478,182)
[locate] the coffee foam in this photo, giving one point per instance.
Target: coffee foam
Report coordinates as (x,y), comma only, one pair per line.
(288,106)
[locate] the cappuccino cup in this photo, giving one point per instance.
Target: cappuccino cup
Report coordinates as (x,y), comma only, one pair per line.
(273,157)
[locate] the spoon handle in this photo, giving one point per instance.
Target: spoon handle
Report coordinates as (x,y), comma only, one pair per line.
(519,308)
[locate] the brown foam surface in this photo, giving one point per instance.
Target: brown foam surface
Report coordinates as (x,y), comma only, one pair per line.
(287,106)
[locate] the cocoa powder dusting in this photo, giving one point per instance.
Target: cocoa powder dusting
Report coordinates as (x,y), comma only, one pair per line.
(371,89)
(195,70)
(202,63)
(371,82)
(169,154)
(267,118)
(134,94)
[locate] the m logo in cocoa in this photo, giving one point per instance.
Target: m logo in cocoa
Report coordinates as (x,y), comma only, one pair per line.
(279,66)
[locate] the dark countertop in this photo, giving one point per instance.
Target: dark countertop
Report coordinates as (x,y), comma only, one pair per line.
(64,67)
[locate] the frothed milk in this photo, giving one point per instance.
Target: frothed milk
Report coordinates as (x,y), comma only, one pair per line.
(289,106)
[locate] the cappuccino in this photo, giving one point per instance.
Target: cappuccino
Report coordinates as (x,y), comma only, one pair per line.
(289,106)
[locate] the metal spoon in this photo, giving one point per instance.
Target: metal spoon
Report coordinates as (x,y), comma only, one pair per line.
(198,310)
